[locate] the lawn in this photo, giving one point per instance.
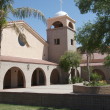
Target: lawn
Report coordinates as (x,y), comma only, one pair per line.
(19,107)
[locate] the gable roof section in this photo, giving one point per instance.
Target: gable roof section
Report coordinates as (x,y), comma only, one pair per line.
(26,60)
(30,29)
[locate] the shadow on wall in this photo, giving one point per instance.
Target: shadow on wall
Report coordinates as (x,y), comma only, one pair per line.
(45,53)
(55,77)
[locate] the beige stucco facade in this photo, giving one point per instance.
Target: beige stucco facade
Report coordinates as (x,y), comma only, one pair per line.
(38,48)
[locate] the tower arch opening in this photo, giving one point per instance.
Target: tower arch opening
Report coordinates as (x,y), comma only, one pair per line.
(57,24)
(14,78)
(55,77)
(70,25)
(38,77)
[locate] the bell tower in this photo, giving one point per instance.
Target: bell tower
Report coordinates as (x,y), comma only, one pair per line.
(60,35)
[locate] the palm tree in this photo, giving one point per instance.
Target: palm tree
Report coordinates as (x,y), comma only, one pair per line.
(6,7)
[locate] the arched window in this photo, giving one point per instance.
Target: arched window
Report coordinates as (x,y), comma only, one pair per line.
(57,24)
(70,25)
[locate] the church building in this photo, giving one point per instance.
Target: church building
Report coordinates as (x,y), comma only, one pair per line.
(28,60)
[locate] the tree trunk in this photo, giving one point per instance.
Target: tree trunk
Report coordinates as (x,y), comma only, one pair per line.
(0,38)
(76,72)
(88,68)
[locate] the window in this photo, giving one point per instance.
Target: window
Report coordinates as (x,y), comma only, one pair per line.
(71,41)
(56,41)
(21,40)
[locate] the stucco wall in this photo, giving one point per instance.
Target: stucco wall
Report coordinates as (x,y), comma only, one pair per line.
(55,51)
(10,46)
(65,35)
(70,36)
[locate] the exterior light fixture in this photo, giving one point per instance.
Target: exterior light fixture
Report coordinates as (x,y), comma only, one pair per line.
(47,67)
(28,66)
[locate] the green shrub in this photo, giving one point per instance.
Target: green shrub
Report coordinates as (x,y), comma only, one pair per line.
(98,83)
(76,80)
(96,80)
(94,77)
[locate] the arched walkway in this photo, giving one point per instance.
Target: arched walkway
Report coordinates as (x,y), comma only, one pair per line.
(73,74)
(100,73)
(14,78)
(55,77)
(38,77)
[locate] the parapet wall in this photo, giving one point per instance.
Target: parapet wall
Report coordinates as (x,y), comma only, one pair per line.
(74,101)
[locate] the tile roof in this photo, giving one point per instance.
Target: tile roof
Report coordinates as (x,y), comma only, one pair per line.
(93,61)
(26,60)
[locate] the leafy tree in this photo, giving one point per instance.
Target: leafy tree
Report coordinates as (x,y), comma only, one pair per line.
(100,7)
(97,36)
(70,60)
(102,24)
(107,60)
(6,7)
(86,40)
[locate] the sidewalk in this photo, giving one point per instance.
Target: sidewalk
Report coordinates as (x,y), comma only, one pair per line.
(58,89)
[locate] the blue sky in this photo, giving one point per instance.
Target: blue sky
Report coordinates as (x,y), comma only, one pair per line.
(49,8)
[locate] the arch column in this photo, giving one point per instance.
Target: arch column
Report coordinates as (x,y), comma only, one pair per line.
(47,79)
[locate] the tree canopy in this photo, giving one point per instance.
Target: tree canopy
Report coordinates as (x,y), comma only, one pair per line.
(100,28)
(70,60)
(107,60)
(100,7)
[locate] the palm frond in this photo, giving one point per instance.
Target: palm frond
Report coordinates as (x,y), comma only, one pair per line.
(28,12)
(5,4)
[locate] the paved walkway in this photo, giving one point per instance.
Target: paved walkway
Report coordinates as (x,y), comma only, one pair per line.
(58,89)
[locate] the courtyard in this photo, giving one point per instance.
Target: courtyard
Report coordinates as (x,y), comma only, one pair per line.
(58,89)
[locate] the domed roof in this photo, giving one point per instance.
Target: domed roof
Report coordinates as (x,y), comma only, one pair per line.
(61,13)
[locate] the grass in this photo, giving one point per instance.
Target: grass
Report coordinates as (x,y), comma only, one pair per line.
(20,107)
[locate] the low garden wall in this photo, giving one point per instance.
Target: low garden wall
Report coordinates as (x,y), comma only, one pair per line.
(91,90)
(74,101)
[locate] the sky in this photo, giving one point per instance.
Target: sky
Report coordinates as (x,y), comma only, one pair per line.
(49,8)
